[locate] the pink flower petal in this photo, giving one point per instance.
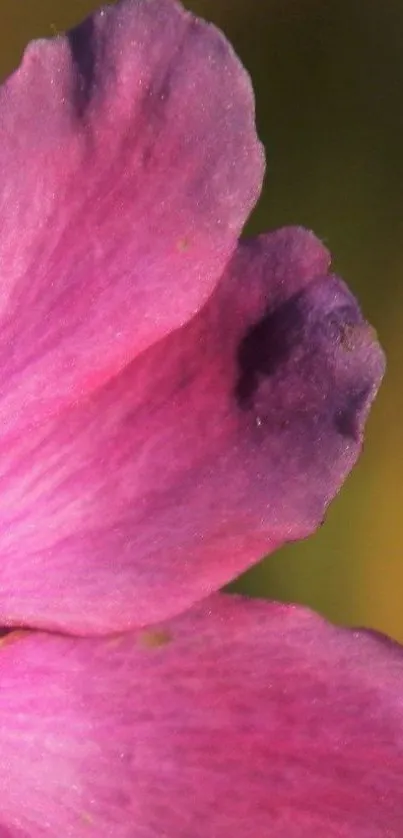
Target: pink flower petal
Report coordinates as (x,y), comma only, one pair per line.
(128,164)
(219,444)
(239,718)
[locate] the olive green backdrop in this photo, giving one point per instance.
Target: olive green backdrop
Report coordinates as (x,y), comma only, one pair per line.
(328,76)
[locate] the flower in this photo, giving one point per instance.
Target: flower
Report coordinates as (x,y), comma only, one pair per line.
(174,403)
(238,718)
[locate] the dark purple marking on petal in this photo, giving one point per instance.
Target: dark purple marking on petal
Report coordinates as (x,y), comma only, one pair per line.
(347,419)
(83,54)
(266,346)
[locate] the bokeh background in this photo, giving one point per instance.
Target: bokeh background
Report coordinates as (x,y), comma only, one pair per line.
(328,76)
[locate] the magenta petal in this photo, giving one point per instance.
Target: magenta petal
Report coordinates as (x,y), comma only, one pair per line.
(129,163)
(219,444)
(240,718)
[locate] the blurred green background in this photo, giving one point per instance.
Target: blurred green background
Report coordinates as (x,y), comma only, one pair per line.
(328,76)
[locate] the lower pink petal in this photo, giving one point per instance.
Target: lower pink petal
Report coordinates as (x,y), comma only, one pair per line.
(241,718)
(222,442)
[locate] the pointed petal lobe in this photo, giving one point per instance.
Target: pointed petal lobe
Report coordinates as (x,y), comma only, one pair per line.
(218,445)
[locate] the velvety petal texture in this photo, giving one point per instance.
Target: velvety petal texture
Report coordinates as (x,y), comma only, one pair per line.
(129,163)
(239,718)
(220,443)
